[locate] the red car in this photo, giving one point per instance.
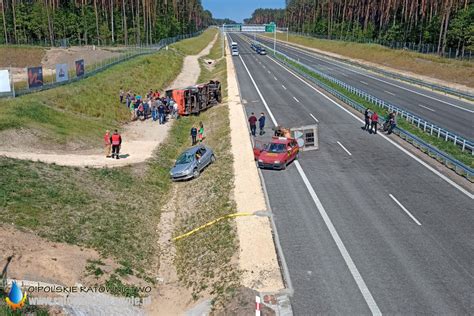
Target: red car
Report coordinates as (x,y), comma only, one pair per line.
(278,154)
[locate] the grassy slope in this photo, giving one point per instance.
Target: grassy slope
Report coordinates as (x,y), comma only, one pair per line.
(115,211)
(185,48)
(461,72)
(209,197)
(21,55)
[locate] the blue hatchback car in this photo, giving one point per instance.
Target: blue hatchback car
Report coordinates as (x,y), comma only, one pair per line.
(191,162)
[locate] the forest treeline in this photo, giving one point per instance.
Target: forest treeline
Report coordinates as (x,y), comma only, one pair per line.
(84,22)
(445,23)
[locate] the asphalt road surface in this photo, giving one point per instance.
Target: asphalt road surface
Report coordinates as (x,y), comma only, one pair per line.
(447,112)
(365,227)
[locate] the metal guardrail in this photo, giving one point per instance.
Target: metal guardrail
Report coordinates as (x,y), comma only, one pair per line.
(432,86)
(447,160)
(428,127)
(132,52)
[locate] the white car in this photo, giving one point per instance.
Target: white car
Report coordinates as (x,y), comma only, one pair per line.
(235,52)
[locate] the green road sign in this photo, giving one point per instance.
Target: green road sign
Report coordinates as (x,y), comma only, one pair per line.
(270,28)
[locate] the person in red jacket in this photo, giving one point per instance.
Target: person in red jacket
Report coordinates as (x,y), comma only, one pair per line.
(116,141)
(253,124)
(375,120)
(107,143)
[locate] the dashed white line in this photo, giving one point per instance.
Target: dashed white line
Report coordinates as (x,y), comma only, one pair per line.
(425,107)
(296,100)
(406,211)
(269,71)
(345,149)
(283,87)
(275,78)
(314,117)
(363,82)
(389,92)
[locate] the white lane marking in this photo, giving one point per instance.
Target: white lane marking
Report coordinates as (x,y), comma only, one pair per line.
(344,74)
(283,87)
(406,211)
(363,82)
(425,107)
(436,172)
(275,78)
(347,151)
(269,71)
(296,100)
(340,245)
(369,299)
(389,92)
(259,93)
(384,81)
(314,118)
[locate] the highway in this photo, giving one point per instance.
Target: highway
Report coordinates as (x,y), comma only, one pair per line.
(448,112)
(365,227)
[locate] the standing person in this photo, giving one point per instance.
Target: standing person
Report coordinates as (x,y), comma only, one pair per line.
(367,119)
(121,95)
(253,123)
(375,120)
(201,132)
(194,132)
(161,113)
(108,145)
(116,141)
(128,99)
(392,122)
(154,110)
(261,123)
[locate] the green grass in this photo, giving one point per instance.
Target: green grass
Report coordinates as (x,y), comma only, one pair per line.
(447,147)
(81,112)
(450,70)
(193,46)
(204,259)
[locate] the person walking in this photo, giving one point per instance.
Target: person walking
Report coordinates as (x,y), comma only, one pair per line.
(154,111)
(194,132)
(261,123)
(108,144)
(253,124)
(201,132)
(116,141)
(392,122)
(121,95)
(375,120)
(367,120)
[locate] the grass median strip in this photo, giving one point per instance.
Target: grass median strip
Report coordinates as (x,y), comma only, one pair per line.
(447,147)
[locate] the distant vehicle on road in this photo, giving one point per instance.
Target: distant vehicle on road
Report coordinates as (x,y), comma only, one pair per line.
(278,154)
(262,51)
(191,162)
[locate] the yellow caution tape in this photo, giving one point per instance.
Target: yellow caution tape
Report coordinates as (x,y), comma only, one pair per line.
(211,223)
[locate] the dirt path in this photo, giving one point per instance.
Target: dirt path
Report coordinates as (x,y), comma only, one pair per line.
(139,138)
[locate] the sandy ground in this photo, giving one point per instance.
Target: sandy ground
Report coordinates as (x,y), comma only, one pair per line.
(257,251)
(171,298)
(431,80)
(53,56)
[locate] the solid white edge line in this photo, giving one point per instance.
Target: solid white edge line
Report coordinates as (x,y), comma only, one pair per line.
(314,117)
(436,172)
(425,107)
(406,211)
(340,245)
(347,151)
(378,79)
(296,100)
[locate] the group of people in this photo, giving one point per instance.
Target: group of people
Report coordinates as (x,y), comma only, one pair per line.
(197,135)
(372,119)
(253,123)
(152,105)
(112,144)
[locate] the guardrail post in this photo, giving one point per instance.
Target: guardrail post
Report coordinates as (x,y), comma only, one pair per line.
(424,128)
(439,132)
(447,134)
(455,139)
(464,145)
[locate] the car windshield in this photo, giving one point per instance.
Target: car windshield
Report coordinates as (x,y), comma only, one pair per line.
(276,148)
(184,158)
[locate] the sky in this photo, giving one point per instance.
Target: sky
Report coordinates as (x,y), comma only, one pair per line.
(238,10)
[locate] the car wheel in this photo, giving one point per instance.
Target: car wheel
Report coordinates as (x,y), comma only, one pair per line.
(196,173)
(283,167)
(213,159)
